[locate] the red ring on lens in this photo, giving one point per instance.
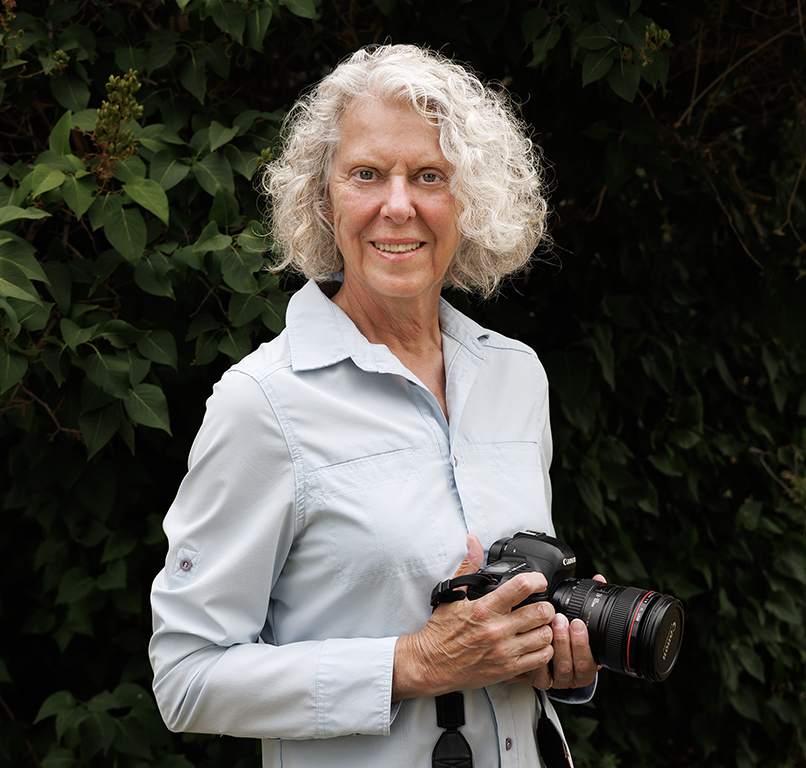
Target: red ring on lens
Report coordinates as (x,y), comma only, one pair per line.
(632,624)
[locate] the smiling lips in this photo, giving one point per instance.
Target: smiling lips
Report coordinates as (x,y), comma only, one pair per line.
(397,247)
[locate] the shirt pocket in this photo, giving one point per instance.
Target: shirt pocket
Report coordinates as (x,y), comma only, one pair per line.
(507,488)
(380,514)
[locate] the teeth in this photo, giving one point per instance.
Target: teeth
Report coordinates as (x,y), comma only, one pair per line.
(396,248)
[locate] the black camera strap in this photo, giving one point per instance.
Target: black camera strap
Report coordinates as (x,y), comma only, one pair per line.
(549,741)
(451,749)
(448,591)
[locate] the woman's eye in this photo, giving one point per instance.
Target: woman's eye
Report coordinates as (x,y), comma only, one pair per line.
(430,178)
(366,175)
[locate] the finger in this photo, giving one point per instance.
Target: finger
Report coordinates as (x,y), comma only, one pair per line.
(541,677)
(563,662)
(513,592)
(583,662)
(599,577)
(474,558)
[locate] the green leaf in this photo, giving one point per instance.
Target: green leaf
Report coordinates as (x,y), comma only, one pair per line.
(212,240)
(602,345)
(12,367)
(14,213)
(105,209)
(59,142)
(194,75)
(751,661)
(118,545)
(70,91)
(160,347)
(624,79)
(259,20)
(120,334)
(238,268)
(79,193)
(235,344)
(127,234)
(150,195)
(591,495)
(115,576)
(273,316)
(146,404)
(666,464)
(98,427)
(533,23)
(151,274)
(225,210)
(60,757)
(245,307)
(655,67)
(596,65)
(74,585)
(220,135)
(21,253)
(15,284)
(595,37)
(9,320)
(304,8)
(167,169)
(109,372)
(229,17)
(212,172)
(543,45)
(54,704)
(74,335)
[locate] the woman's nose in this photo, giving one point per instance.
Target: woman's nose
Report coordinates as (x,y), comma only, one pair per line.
(399,203)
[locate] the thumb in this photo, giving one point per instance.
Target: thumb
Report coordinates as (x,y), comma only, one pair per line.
(474,558)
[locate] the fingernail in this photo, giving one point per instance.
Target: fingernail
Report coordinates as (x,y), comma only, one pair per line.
(578,626)
(560,621)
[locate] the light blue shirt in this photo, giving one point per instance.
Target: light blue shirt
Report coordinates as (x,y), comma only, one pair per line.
(326,496)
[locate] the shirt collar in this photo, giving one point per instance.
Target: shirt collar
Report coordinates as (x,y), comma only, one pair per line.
(320,334)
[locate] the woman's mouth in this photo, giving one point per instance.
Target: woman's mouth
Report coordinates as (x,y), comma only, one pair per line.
(396,247)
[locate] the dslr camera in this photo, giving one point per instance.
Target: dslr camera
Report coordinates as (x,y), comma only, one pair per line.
(632,631)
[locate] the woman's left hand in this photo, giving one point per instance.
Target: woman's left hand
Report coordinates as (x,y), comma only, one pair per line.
(572,665)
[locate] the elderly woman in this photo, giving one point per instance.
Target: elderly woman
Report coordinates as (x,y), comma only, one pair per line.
(380,442)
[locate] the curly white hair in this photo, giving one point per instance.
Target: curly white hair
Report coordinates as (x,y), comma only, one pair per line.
(496,181)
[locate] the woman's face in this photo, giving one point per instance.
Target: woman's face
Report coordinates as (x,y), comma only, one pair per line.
(393,214)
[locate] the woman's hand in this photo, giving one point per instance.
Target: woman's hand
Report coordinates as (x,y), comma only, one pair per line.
(472,643)
(573,665)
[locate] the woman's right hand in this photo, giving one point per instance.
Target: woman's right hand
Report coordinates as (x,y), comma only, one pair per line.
(472,643)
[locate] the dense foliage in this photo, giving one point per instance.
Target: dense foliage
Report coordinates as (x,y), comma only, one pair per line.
(671,319)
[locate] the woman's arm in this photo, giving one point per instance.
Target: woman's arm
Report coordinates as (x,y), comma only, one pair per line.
(230,530)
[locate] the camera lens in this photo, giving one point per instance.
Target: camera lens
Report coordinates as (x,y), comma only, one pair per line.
(632,631)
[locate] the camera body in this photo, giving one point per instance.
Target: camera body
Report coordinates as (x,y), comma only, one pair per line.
(526,551)
(631,631)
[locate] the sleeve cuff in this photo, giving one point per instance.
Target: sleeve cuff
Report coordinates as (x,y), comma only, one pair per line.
(574,695)
(354,687)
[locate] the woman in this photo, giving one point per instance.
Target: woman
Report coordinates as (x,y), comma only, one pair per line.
(346,467)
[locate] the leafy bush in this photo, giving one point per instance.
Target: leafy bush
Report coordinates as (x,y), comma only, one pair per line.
(131,255)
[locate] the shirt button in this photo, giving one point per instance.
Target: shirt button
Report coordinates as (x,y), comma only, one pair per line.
(455,462)
(508,743)
(185,564)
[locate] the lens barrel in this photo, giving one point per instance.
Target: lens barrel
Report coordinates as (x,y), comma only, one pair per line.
(632,631)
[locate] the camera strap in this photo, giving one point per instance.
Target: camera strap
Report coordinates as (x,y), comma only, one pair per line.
(549,741)
(451,749)
(448,591)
